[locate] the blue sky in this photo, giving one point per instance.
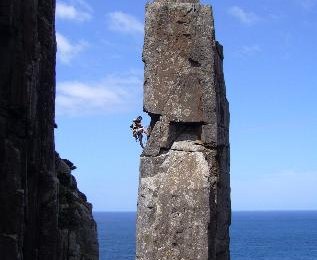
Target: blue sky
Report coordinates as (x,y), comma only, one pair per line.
(271,76)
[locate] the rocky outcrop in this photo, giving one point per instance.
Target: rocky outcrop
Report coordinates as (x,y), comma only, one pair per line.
(75,217)
(31,224)
(184,191)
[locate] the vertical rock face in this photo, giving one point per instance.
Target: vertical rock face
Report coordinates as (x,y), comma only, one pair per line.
(30,219)
(184,192)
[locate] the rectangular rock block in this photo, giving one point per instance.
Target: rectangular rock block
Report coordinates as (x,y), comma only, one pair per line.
(179,61)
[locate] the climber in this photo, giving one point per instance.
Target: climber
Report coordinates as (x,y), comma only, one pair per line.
(138,130)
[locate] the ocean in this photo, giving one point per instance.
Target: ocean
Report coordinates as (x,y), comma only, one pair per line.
(289,235)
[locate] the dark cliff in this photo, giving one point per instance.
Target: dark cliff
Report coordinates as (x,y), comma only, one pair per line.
(78,228)
(43,215)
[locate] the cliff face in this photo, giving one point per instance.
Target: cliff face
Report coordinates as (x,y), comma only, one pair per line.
(184,192)
(78,228)
(30,219)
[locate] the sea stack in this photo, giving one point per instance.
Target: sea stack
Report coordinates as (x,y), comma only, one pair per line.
(184,206)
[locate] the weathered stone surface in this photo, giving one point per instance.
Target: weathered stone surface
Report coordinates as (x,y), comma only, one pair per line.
(177,1)
(29,187)
(184,192)
(178,62)
(176,203)
(76,223)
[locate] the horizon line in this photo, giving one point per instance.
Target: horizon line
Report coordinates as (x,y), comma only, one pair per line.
(270,210)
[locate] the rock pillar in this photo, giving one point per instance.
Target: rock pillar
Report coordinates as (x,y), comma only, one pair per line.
(184,191)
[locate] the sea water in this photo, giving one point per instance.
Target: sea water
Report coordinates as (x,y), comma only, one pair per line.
(254,235)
